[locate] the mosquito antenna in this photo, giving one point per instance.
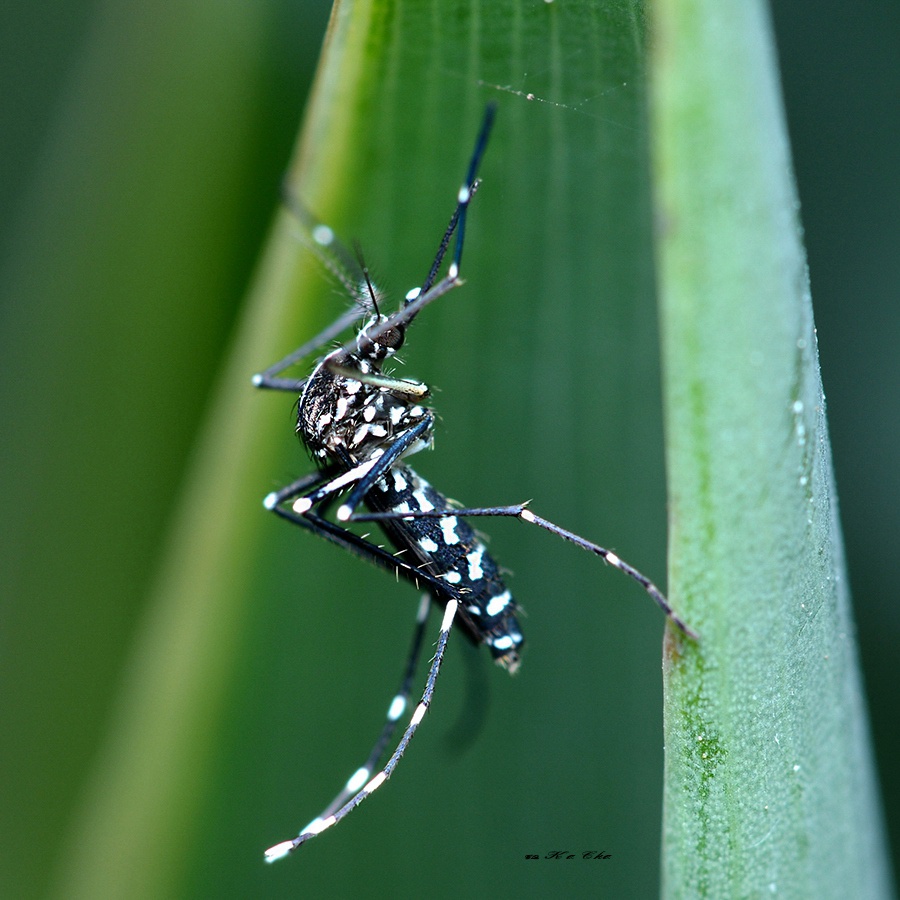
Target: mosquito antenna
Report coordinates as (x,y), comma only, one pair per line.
(364,269)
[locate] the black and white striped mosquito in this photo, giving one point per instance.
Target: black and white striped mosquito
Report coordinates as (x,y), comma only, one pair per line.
(359,423)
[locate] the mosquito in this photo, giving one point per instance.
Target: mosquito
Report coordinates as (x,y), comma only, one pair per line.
(360,423)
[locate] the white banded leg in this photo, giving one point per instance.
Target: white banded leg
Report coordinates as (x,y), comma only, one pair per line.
(522,512)
(317,826)
(396,709)
(270,378)
(526,515)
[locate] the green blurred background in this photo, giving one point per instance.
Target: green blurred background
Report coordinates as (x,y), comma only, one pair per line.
(135,206)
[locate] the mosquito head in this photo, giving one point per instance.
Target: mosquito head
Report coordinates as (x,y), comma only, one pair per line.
(376,342)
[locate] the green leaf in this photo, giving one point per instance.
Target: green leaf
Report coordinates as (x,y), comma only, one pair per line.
(136,210)
(770,786)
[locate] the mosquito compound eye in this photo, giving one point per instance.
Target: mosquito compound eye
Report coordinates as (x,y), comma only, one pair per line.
(393,338)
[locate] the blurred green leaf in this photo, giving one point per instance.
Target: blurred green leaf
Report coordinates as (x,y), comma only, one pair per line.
(136,214)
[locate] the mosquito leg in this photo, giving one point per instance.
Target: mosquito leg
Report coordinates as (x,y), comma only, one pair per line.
(323,822)
(458,220)
(420,578)
(522,512)
(419,297)
(395,712)
(269,378)
(467,190)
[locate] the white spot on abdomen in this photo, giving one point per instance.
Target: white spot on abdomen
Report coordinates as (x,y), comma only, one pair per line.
(476,573)
(448,526)
(498,604)
(425,505)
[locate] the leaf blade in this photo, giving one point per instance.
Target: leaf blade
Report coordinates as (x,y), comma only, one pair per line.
(769,776)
